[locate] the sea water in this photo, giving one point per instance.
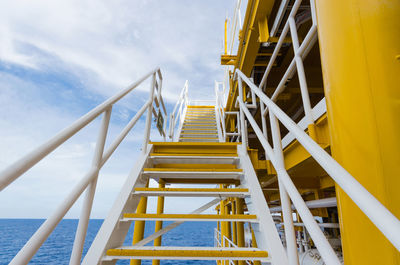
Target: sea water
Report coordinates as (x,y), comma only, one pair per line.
(57,249)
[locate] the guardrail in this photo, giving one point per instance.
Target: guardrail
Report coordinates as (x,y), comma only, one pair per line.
(220,242)
(178,114)
(221,115)
(89,181)
(381,217)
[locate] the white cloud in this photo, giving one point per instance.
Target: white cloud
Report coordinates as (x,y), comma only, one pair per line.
(117,41)
(105,46)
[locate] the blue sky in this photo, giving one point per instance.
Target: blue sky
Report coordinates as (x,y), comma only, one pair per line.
(59,59)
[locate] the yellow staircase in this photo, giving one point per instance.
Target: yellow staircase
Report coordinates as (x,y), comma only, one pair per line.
(194,163)
(199,125)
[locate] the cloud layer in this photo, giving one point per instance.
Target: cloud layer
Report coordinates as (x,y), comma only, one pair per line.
(59,59)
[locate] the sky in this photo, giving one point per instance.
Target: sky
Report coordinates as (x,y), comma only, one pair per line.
(59,59)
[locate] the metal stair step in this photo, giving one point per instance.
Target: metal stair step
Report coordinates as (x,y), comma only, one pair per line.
(186,253)
(215,140)
(199,136)
(190,217)
(193,170)
(192,192)
(213,123)
(205,176)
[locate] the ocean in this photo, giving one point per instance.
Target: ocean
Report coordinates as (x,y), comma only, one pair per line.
(57,249)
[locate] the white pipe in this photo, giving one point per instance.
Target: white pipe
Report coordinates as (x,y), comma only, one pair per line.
(279,44)
(12,172)
(279,17)
(285,200)
(300,72)
(148,117)
(322,203)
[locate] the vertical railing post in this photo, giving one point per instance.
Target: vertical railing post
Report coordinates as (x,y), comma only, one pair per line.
(302,78)
(149,116)
(290,236)
(242,123)
(81,230)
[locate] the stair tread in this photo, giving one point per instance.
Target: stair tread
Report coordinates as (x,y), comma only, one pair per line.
(193,169)
(193,189)
(210,252)
(200,217)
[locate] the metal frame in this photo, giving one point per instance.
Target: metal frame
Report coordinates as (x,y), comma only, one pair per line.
(89,180)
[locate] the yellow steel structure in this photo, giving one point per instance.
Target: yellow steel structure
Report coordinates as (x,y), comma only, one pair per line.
(231,213)
(355,68)
(360,45)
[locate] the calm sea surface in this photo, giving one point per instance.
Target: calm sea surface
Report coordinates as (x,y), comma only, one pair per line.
(57,249)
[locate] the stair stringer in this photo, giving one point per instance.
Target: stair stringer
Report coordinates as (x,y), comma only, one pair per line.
(266,233)
(112,233)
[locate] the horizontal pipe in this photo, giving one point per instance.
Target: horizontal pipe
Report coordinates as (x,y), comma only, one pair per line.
(323,225)
(12,172)
(328,202)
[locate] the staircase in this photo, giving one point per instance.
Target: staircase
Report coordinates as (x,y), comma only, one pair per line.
(199,157)
(199,125)
(202,164)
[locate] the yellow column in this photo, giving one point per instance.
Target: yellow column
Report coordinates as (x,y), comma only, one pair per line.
(240,226)
(234,226)
(138,231)
(229,224)
(224,227)
(254,243)
(359,42)
(160,210)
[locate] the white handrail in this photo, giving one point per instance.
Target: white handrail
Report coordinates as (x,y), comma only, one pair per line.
(180,106)
(219,241)
(379,215)
(88,182)
(221,114)
(16,169)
